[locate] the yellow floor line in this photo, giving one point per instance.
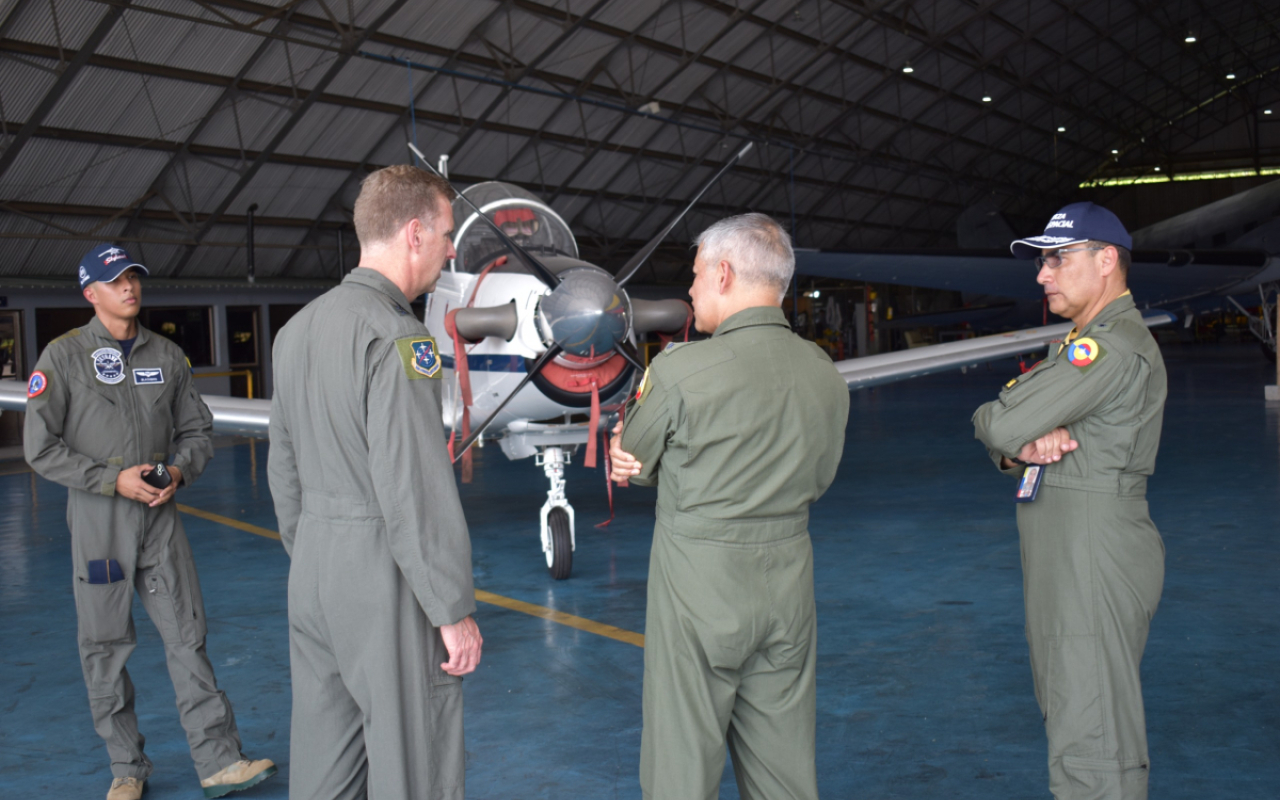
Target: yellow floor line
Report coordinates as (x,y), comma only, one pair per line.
(581,623)
(559,617)
(234,523)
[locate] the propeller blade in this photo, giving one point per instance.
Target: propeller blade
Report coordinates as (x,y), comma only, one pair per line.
(628,352)
(552,352)
(535,266)
(637,261)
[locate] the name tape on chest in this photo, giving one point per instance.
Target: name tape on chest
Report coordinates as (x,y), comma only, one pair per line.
(420,357)
(142,376)
(108,363)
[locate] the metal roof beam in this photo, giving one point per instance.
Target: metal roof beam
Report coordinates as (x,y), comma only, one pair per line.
(70,71)
(352,43)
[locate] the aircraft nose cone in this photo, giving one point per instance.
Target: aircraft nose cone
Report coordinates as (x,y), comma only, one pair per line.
(587,314)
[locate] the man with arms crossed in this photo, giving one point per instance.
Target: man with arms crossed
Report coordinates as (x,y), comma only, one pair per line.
(103,396)
(380,592)
(741,433)
(1093,562)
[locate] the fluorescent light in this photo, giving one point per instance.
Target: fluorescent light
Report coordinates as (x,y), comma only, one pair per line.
(1157,169)
(1231,76)
(1061,129)
(986,98)
(1247,172)
(1191,38)
(907,68)
(1115,152)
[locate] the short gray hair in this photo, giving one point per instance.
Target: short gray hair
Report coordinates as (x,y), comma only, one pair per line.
(757,246)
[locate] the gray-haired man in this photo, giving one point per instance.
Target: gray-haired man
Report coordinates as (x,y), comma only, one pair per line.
(740,433)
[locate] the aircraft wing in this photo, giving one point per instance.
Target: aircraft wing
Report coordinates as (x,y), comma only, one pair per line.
(860,373)
(230,414)
(1157,277)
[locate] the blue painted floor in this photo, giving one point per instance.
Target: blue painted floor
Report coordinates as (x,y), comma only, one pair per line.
(924,690)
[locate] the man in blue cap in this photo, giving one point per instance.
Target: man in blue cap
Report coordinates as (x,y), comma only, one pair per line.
(111,408)
(1081,431)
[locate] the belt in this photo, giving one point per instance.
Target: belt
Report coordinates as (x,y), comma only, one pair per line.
(1122,484)
(752,530)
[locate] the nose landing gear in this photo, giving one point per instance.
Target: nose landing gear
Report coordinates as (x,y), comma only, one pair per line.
(557,515)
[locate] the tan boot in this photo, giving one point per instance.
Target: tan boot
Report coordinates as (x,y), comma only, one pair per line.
(126,789)
(240,775)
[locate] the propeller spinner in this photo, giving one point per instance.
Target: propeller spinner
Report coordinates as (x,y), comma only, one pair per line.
(587,313)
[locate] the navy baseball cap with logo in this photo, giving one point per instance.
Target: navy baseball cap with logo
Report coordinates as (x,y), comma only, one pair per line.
(104,263)
(1075,224)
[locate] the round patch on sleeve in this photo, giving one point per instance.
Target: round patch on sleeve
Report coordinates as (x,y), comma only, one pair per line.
(1083,352)
(37,384)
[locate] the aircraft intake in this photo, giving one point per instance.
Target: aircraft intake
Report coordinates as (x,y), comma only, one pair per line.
(474,324)
(662,316)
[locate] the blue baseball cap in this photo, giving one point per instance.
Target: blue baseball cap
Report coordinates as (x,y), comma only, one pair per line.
(105,262)
(1075,224)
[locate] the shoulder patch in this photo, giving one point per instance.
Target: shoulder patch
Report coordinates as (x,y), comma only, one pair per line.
(673,345)
(37,384)
(1084,353)
(419,356)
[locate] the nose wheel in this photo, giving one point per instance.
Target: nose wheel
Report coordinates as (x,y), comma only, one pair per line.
(557,515)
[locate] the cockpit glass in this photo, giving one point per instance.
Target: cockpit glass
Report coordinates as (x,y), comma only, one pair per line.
(520,215)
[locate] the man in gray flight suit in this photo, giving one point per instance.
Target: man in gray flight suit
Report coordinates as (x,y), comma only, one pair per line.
(105,404)
(1086,421)
(741,433)
(380,592)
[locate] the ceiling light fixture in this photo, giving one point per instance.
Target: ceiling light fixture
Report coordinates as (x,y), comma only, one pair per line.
(986,98)
(1268,111)
(1231,76)
(1191,38)
(1157,169)
(1115,152)
(1061,129)
(907,68)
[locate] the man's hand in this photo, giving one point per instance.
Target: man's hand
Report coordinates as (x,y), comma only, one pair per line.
(1048,448)
(167,492)
(129,484)
(623,465)
(463,641)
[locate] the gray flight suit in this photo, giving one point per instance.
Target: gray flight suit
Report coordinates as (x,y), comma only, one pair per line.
(740,432)
(1092,560)
(381,556)
(96,415)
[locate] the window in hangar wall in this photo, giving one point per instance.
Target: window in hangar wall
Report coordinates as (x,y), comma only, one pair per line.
(242,349)
(189,327)
(53,322)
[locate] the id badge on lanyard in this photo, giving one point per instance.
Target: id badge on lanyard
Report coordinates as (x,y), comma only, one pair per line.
(1029,484)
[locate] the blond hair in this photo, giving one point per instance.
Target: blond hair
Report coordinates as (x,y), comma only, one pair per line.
(392,196)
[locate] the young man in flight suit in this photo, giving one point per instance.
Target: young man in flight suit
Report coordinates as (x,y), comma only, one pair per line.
(741,433)
(380,593)
(106,403)
(1087,419)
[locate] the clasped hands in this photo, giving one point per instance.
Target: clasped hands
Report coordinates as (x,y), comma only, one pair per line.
(129,483)
(1047,449)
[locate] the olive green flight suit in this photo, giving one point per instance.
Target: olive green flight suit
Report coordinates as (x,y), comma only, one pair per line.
(1092,560)
(381,557)
(86,425)
(740,433)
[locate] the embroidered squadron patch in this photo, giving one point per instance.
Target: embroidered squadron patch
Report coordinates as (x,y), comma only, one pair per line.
(644,385)
(1083,353)
(37,384)
(148,375)
(109,365)
(420,357)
